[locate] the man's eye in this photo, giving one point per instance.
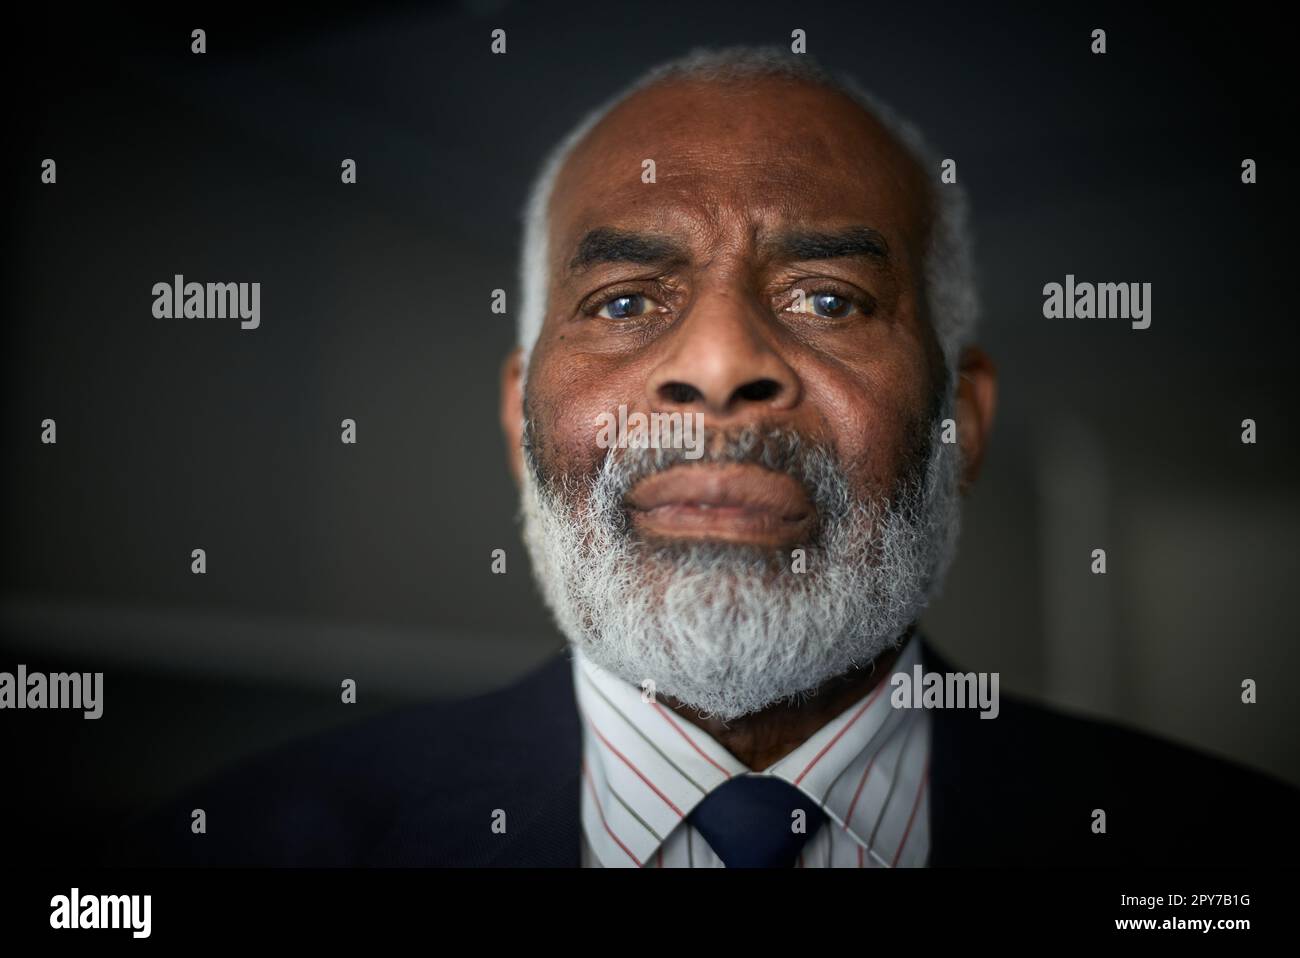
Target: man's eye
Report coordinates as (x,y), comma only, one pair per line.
(826,305)
(625,306)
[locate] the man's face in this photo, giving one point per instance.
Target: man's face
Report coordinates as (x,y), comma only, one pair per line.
(748,179)
(770,281)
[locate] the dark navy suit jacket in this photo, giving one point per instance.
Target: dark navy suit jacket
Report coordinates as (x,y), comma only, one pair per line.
(418,787)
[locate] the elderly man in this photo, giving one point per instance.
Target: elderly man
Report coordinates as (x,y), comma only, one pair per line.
(763,257)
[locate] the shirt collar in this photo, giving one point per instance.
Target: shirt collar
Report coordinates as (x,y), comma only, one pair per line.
(645,768)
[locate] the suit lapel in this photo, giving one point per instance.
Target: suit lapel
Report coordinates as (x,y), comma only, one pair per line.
(967,797)
(546,831)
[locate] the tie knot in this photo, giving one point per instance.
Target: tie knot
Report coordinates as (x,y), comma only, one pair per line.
(753,821)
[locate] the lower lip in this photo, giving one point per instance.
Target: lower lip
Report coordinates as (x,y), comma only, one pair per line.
(725,523)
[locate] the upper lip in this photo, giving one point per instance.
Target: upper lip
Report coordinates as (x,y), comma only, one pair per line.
(734,485)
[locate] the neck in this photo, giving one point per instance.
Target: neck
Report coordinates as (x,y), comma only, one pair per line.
(767,736)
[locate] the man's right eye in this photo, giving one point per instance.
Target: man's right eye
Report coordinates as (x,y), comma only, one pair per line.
(625,306)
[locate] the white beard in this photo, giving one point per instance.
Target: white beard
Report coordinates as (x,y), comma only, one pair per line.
(728,629)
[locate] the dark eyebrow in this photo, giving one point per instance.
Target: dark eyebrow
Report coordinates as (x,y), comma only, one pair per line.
(607,245)
(816,244)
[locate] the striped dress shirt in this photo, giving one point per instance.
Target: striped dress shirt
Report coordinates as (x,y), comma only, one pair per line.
(645,768)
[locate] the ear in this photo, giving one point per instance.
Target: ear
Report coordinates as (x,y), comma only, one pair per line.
(977,399)
(512,411)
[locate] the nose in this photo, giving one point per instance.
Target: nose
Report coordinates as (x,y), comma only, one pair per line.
(721,361)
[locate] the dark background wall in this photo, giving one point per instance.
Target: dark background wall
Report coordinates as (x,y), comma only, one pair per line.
(372,561)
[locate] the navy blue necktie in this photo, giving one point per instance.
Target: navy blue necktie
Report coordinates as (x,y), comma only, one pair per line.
(748,821)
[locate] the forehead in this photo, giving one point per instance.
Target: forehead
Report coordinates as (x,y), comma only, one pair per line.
(751,154)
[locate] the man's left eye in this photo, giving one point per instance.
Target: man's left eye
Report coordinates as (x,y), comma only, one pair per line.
(826,305)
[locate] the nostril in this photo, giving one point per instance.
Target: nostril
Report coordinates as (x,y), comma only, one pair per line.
(680,393)
(760,390)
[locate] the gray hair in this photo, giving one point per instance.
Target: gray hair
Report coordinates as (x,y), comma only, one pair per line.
(950,291)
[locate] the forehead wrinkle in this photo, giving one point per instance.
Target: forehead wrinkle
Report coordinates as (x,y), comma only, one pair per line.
(764,196)
(690,236)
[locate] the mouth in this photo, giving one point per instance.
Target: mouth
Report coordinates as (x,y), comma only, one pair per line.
(735,502)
